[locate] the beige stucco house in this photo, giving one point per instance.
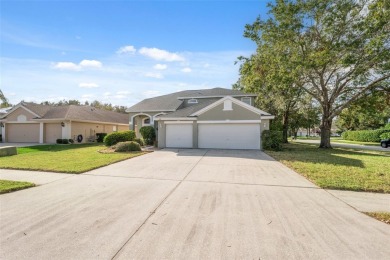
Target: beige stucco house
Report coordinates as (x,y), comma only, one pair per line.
(208,118)
(34,123)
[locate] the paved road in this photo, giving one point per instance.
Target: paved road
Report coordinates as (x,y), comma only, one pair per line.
(187,204)
(352,146)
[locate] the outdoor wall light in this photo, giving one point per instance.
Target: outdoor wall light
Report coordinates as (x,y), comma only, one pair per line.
(62,124)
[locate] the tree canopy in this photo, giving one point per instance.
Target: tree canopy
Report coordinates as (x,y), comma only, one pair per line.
(334,50)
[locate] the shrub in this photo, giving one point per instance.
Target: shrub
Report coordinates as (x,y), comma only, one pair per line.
(387,126)
(272,140)
(116,137)
(139,141)
(62,141)
(127,147)
(364,135)
(148,133)
(71,141)
(1,138)
(385,136)
(100,137)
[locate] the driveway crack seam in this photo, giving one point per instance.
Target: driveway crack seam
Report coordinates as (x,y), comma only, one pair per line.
(158,206)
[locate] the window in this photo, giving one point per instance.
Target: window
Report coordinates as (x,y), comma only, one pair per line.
(192,101)
(246,100)
(227,105)
(146,121)
(114,128)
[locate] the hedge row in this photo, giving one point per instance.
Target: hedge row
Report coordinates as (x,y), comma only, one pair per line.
(272,140)
(385,136)
(116,137)
(364,135)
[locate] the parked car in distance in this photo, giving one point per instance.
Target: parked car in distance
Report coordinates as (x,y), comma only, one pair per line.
(385,143)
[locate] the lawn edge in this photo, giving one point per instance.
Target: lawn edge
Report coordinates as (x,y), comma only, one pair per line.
(27,186)
(72,172)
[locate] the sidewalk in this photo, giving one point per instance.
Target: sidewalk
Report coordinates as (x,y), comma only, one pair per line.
(361,201)
(364,201)
(350,146)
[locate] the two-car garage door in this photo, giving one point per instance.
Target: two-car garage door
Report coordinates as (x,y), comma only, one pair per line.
(229,136)
(215,135)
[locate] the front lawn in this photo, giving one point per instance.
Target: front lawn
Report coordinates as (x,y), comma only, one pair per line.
(342,141)
(9,186)
(338,168)
(74,158)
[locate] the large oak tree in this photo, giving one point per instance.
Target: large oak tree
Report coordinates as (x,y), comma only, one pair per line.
(339,49)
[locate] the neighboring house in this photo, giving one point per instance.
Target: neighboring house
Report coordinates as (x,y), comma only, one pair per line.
(208,118)
(34,123)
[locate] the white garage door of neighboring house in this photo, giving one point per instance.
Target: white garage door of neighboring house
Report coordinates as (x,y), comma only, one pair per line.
(179,135)
(229,136)
(22,133)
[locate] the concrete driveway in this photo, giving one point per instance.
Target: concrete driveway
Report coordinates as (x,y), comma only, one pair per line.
(186,204)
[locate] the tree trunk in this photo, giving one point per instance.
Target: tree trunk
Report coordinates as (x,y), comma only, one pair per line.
(285,127)
(325,127)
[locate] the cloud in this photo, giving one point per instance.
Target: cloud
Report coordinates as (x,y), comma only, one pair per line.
(160,66)
(90,64)
(186,70)
(126,49)
(151,93)
(154,75)
(65,65)
(123,92)
(117,95)
(158,54)
(88,85)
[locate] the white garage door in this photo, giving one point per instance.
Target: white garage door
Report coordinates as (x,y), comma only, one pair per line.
(229,136)
(179,135)
(22,133)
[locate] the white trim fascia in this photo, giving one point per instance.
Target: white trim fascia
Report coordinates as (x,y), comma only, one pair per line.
(178,122)
(172,110)
(21,106)
(267,117)
(229,122)
(220,96)
(234,100)
(175,119)
(18,122)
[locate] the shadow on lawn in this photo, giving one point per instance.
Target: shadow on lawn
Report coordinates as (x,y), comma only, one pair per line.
(313,154)
(54,147)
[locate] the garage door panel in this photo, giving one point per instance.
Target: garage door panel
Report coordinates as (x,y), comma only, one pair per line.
(179,135)
(229,136)
(22,133)
(52,132)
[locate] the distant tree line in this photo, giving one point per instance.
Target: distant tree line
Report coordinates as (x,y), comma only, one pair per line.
(96,103)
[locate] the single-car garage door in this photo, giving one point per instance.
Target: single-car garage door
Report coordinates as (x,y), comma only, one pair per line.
(229,136)
(179,135)
(52,132)
(22,133)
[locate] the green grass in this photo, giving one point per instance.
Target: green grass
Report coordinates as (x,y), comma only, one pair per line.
(73,158)
(9,186)
(340,140)
(338,168)
(381,216)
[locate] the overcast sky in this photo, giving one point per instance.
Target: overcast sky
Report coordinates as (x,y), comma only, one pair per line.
(120,51)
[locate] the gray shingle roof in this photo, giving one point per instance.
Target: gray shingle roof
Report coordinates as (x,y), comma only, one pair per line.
(73,112)
(171,102)
(185,112)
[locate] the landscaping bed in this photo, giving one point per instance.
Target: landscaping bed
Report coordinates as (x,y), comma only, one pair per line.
(73,158)
(338,168)
(9,186)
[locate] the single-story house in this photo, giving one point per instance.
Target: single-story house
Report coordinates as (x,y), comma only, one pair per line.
(35,123)
(208,118)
